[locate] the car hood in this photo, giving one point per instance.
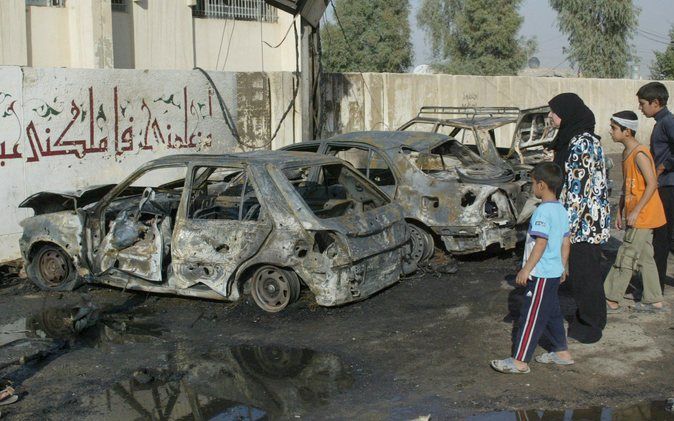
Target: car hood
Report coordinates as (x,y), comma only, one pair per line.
(48,202)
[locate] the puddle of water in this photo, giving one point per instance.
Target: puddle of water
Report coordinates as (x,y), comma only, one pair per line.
(58,330)
(643,411)
(241,382)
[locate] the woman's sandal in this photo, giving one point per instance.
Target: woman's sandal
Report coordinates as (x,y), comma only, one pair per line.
(507,366)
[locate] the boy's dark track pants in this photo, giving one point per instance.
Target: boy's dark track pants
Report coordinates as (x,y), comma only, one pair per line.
(540,315)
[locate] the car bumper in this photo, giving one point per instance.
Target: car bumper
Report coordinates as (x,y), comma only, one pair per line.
(360,280)
(464,240)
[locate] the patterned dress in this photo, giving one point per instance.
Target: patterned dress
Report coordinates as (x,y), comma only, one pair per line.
(585,194)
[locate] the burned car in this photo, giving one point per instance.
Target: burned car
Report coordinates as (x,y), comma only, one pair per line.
(222,226)
(451,196)
(479,127)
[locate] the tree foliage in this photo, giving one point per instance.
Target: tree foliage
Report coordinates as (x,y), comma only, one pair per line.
(599,32)
(475,36)
(377,37)
(663,66)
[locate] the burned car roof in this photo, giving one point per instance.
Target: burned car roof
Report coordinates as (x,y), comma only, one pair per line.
(417,141)
(472,117)
(279,158)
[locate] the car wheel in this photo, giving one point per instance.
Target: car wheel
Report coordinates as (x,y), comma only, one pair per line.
(273,289)
(422,245)
(52,269)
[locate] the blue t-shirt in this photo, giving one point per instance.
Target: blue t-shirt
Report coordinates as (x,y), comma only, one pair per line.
(549,221)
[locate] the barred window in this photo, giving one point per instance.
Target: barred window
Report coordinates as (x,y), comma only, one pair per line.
(118,5)
(48,3)
(255,10)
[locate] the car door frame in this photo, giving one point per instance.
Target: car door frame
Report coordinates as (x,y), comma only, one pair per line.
(214,268)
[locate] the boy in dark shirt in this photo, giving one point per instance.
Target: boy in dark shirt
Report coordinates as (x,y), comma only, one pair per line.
(653,98)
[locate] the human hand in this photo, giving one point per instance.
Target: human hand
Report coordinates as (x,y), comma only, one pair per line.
(619,221)
(522,277)
(562,278)
(632,218)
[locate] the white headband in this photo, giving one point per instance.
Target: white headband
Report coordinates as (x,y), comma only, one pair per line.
(630,124)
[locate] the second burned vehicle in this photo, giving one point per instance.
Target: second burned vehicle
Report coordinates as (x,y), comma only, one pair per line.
(220,226)
(451,196)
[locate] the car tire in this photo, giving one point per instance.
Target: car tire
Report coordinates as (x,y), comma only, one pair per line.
(273,289)
(52,269)
(421,245)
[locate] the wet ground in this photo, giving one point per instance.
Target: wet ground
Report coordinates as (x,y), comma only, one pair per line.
(420,348)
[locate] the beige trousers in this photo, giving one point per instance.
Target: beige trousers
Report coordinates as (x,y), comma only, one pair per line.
(635,254)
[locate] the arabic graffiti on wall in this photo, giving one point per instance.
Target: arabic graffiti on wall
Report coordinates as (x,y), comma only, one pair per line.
(85,125)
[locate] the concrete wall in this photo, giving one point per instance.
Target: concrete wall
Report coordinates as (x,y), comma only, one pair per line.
(13,48)
(65,129)
(385,101)
(150,34)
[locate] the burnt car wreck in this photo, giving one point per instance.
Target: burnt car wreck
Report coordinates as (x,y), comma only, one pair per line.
(479,128)
(222,226)
(452,197)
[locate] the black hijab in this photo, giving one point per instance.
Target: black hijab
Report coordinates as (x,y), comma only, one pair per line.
(576,118)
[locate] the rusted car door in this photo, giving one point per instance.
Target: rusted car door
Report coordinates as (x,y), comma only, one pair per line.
(221,223)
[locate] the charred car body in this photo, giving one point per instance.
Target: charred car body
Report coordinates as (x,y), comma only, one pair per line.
(476,127)
(257,222)
(450,195)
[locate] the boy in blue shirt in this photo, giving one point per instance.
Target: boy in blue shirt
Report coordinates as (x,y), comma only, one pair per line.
(545,255)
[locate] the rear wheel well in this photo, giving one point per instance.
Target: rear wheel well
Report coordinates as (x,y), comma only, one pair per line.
(419,224)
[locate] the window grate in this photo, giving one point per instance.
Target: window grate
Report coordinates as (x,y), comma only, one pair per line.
(118,5)
(254,10)
(46,3)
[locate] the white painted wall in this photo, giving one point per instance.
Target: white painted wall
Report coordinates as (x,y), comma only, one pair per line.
(13,48)
(65,129)
(150,34)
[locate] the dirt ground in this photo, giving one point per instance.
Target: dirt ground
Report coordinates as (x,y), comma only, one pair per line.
(419,348)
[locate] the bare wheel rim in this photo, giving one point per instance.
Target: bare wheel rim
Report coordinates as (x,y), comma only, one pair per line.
(271,289)
(53,267)
(429,246)
(418,244)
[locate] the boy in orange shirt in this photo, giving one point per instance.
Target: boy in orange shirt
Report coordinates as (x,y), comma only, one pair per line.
(640,205)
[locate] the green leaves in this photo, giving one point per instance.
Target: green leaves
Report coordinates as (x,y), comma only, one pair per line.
(377,37)
(663,66)
(599,32)
(475,36)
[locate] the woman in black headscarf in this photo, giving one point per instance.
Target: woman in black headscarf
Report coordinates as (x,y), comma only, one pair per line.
(579,153)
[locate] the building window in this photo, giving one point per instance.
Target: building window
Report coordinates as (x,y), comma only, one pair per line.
(48,3)
(118,5)
(255,10)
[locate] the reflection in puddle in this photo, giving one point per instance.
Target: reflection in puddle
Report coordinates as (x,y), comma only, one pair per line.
(45,335)
(242,382)
(655,410)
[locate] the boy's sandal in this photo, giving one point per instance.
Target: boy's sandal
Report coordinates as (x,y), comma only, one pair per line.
(7,396)
(648,308)
(611,310)
(507,366)
(552,358)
